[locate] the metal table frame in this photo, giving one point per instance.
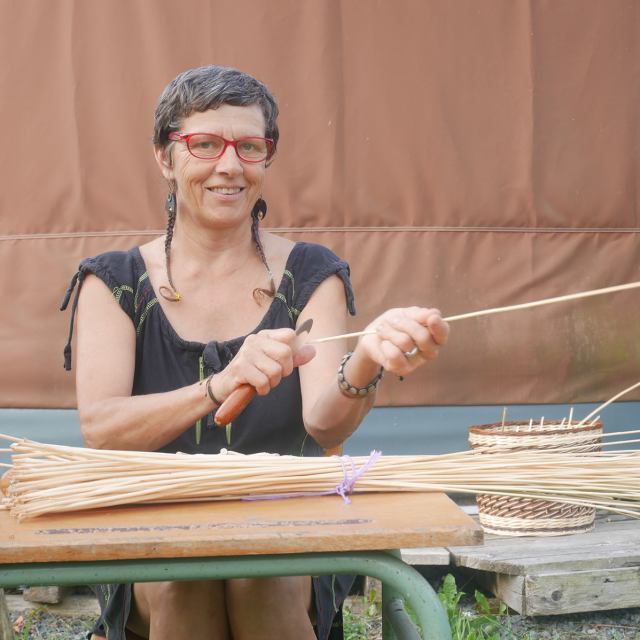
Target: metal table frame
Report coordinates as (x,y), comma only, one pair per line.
(400,581)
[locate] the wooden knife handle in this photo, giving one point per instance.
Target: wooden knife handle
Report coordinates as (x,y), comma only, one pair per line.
(231,408)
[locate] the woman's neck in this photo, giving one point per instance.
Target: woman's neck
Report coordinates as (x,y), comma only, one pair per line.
(206,250)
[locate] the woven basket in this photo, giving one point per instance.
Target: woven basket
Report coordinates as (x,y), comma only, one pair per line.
(510,516)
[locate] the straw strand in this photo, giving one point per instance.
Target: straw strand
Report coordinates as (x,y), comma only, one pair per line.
(51,479)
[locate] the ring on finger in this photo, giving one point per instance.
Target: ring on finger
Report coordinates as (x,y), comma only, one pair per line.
(411,353)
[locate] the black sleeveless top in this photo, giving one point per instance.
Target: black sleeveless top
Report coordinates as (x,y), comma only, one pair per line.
(164,361)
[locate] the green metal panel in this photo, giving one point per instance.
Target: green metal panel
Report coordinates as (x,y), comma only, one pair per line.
(404,581)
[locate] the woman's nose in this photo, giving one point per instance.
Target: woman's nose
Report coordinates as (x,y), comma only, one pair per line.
(229,162)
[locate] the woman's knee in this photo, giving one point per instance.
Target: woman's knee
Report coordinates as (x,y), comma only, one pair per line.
(159,595)
(158,604)
(270,593)
(260,608)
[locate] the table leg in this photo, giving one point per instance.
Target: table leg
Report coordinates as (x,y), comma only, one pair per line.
(391,571)
(6,628)
(396,623)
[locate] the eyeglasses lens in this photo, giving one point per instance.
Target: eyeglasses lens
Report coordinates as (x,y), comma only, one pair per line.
(253,149)
(203,146)
(210,146)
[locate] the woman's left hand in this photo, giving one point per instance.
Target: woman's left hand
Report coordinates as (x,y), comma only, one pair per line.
(405,339)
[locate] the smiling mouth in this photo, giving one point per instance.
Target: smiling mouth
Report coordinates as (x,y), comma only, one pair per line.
(226,191)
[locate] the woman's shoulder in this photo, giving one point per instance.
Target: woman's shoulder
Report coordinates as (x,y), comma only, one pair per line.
(123,272)
(115,268)
(307,258)
(311,264)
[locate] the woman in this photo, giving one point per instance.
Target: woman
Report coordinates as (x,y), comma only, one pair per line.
(209,307)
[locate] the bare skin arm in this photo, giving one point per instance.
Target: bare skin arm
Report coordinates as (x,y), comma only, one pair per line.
(331,417)
(109,416)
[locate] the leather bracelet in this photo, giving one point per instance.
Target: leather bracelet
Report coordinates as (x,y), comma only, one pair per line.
(353,392)
(208,387)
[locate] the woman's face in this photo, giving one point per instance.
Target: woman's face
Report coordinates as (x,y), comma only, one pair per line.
(218,192)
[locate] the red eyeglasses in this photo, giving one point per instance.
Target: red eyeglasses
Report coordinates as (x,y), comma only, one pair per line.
(206,146)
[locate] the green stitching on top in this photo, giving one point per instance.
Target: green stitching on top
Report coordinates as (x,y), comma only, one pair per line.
(199,423)
(108,597)
(290,310)
(281,297)
(117,292)
(143,277)
(144,313)
(293,282)
(306,435)
(333,591)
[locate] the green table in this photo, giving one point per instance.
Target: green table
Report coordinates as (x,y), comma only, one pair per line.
(235,539)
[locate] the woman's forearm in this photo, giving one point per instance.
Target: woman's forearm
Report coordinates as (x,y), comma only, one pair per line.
(336,414)
(143,423)
(336,417)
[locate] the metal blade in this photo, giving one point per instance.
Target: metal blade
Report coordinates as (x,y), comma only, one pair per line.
(304,327)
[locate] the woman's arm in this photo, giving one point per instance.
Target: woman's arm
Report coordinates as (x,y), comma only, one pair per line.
(329,416)
(111,418)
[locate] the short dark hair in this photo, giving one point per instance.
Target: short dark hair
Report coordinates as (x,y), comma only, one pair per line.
(208,88)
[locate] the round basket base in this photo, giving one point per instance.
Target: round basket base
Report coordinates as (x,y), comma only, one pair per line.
(539,533)
(511,516)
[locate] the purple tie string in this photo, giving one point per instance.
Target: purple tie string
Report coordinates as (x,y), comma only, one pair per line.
(344,488)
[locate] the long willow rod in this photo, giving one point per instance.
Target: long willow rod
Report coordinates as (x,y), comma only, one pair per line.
(610,482)
(475,314)
(607,403)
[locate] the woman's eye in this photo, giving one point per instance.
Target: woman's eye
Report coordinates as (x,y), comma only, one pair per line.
(205,145)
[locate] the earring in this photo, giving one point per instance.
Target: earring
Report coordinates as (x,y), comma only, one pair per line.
(170,204)
(259,209)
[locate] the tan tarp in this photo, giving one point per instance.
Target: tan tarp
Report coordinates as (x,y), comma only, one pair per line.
(458,154)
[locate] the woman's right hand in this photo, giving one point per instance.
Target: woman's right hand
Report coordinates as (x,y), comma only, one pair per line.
(262,361)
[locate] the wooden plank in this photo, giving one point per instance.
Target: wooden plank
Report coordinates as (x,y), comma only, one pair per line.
(608,546)
(509,589)
(425,556)
(594,571)
(296,525)
(601,556)
(575,591)
(6,628)
(566,592)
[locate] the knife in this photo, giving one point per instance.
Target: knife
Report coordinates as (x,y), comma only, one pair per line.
(233,406)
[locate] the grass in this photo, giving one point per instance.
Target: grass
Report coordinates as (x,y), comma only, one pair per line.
(358,627)
(463,626)
(53,626)
(27,624)
(365,623)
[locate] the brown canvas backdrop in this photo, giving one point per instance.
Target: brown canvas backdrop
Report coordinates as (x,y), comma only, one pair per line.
(458,154)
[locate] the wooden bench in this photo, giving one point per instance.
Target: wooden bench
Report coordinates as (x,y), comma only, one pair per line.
(592,571)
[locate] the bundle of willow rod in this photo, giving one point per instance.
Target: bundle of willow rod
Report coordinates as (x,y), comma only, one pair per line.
(54,479)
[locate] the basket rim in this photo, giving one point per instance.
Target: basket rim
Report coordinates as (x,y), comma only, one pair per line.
(484,429)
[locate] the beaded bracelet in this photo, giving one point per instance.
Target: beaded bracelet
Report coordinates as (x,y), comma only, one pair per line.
(353,392)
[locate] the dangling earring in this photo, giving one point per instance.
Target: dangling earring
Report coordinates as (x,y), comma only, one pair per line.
(170,204)
(171,208)
(259,210)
